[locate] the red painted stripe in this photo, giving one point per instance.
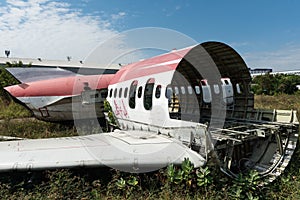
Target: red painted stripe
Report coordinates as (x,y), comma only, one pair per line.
(61,86)
(143,68)
(174,55)
(125,75)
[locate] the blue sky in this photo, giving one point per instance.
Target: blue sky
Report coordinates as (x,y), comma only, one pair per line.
(265,33)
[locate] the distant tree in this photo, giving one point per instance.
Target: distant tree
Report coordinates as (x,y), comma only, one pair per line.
(7,79)
(288,84)
(275,84)
(265,84)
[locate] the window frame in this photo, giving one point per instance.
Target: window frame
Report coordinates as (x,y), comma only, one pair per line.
(158,94)
(132,94)
(148,94)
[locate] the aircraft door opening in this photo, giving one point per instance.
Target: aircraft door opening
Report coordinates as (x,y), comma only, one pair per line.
(206,91)
(173,103)
(227,91)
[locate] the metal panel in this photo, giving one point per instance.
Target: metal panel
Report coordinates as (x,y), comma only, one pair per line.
(31,74)
(134,151)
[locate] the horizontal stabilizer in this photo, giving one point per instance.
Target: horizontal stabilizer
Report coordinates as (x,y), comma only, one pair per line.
(31,74)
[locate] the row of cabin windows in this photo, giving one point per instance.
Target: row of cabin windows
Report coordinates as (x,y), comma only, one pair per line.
(149,87)
(226,86)
(176,90)
(197,90)
(148,93)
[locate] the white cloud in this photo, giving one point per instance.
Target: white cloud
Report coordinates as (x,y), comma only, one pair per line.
(178,7)
(53,30)
(286,58)
(118,16)
(50,30)
(171,10)
(135,44)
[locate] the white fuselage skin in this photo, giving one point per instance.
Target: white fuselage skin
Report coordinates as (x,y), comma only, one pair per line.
(156,119)
(158,116)
(138,117)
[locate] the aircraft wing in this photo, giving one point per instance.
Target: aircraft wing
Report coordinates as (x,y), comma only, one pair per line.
(132,151)
(31,74)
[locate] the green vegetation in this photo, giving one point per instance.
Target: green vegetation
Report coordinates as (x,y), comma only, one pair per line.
(172,182)
(12,110)
(110,114)
(9,109)
(7,79)
(270,84)
(180,182)
(32,128)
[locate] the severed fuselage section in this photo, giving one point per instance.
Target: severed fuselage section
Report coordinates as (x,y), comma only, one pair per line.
(242,138)
(206,104)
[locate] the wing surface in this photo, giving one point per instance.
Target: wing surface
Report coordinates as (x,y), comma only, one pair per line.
(132,151)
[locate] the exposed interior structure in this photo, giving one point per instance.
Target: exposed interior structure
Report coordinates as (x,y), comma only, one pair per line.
(212,85)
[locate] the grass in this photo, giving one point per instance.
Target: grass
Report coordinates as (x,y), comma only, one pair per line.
(112,184)
(17,121)
(33,129)
(11,110)
(283,101)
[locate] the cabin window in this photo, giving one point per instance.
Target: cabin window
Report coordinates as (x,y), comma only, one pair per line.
(182,90)
(110,93)
(132,92)
(197,90)
(227,91)
(140,91)
(148,93)
(125,92)
(216,89)
(120,93)
(115,93)
(176,90)
(238,89)
(158,91)
(206,91)
(190,89)
(169,92)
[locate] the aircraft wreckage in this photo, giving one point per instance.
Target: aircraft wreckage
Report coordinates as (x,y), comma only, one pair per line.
(191,103)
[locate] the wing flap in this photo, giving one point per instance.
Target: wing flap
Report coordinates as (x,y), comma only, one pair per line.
(125,151)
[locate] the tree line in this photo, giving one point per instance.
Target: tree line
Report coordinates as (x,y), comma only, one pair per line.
(272,84)
(7,79)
